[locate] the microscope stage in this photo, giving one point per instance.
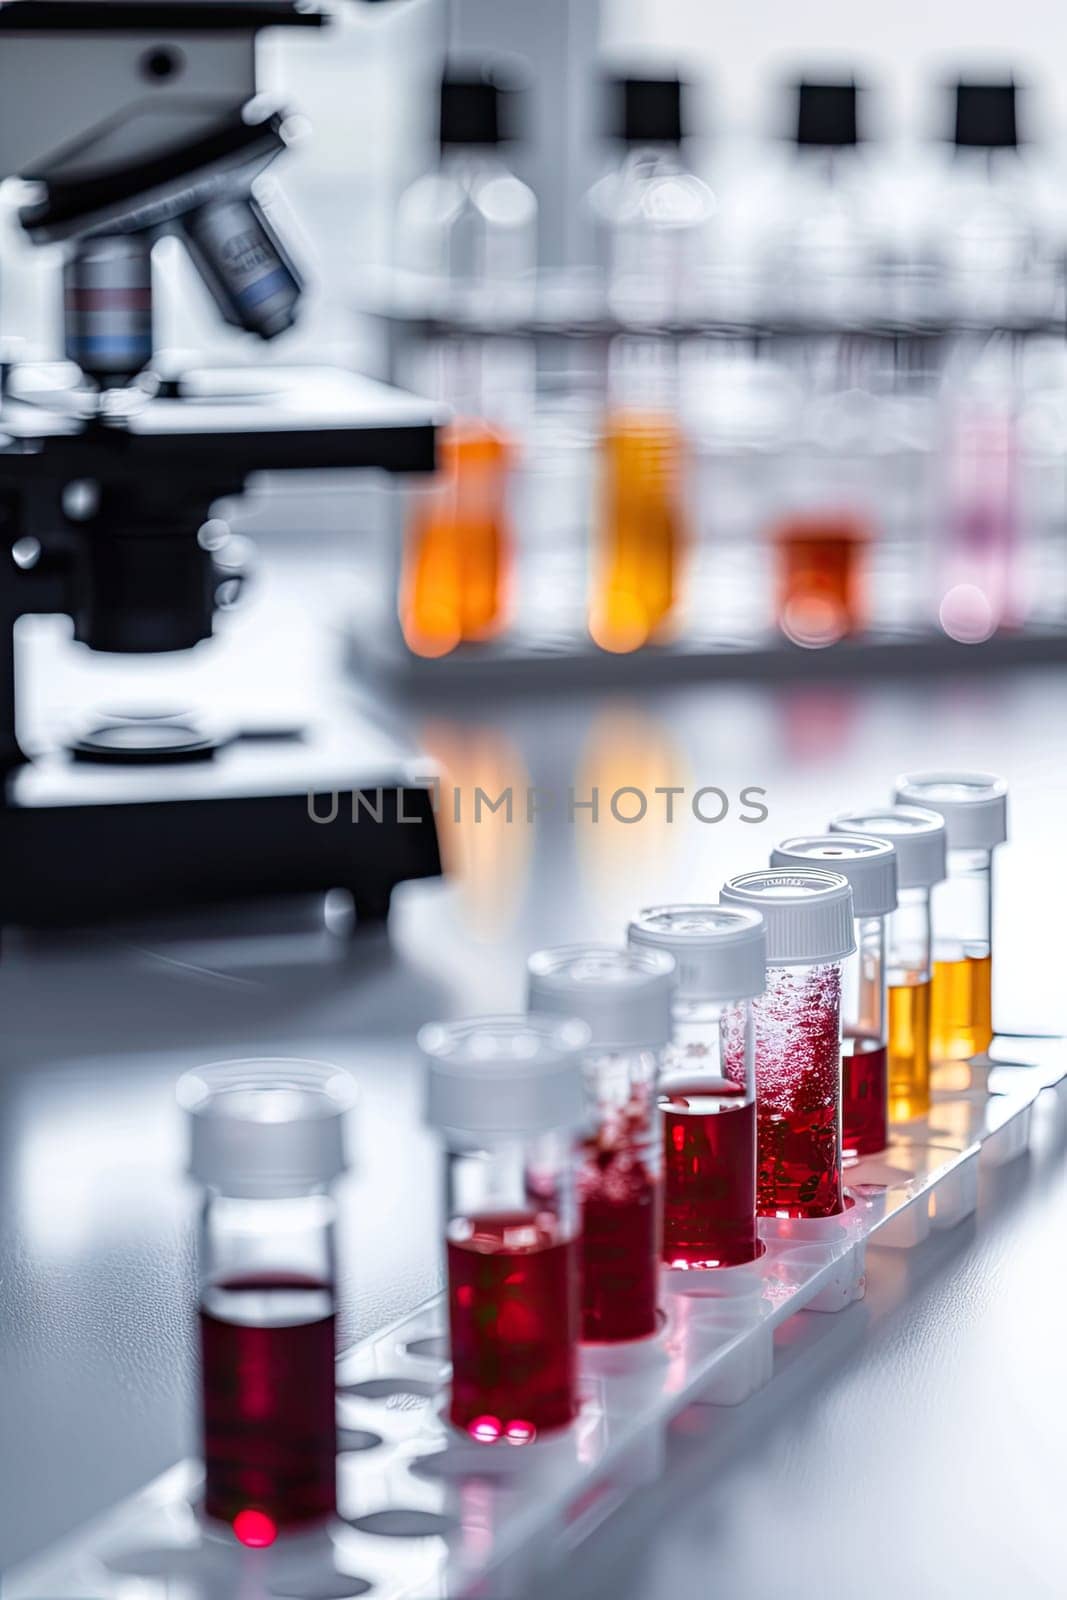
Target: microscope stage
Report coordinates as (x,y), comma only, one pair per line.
(255,418)
(334,805)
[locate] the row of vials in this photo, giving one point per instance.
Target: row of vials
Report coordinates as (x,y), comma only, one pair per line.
(655,1114)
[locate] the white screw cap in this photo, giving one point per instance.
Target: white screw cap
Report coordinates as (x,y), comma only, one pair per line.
(504,1074)
(807,912)
(720,951)
(918,834)
(973,804)
(870,865)
(623,996)
(266,1128)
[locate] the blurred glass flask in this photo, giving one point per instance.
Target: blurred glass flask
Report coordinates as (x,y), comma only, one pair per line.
(468,230)
(653,211)
(824,252)
(992,251)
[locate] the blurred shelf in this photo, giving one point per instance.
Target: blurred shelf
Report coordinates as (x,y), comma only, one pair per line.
(560,306)
(518,664)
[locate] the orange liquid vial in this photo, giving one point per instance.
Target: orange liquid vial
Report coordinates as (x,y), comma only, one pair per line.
(909,1050)
(457,553)
(641,537)
(961,1012)
(821,564)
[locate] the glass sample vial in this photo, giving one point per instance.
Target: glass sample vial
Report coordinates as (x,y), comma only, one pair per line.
(807,913)
(982,562)
(974,806)
(919,838)
(468,230)
(624,997)
(267,1144)
(641,536)
(994,251)
(506,1095)
(468,234)
(708,1083)
(455,578)
(825,248)
(821,563)
(870,865)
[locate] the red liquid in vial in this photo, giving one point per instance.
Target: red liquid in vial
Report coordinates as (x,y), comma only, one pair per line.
(270,1431)
(709,1142)
(798,1093)
(864,1098)
(513,1325)
(622,1212)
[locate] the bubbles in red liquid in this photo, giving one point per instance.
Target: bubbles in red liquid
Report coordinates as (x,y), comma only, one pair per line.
(621,1198)
(798,1089)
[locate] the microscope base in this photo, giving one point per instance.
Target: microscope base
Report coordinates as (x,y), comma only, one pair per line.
(83,844)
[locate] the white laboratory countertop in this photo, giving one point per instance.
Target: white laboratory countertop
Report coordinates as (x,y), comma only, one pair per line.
(911,1445)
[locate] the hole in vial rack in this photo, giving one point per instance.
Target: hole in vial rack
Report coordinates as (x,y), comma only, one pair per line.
(157,1561)
(871,1191)
(403,1523)
(434,1348)
(390,1388)
(352,1439)
(331,1586)
(491,1466)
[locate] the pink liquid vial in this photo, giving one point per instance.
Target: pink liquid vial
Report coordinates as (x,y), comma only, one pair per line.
(807,912)
(624,998)
(707,1088)
(267,1143)
(982,561)
(506,1096)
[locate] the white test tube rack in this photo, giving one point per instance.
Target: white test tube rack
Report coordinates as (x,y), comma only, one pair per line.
(426,1512)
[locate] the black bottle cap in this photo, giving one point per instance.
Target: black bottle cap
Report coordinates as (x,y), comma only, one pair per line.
(645,110)
(985,116)
(477,107)
(826,114)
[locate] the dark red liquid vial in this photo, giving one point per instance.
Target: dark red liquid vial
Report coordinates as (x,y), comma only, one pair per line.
(709,1145)
(864,1098)
(622,1214)
(513,1326)
(269,1405)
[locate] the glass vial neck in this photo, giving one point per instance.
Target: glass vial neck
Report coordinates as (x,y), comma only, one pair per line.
(280,1240)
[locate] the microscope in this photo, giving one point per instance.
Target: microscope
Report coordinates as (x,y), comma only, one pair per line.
(132,120)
